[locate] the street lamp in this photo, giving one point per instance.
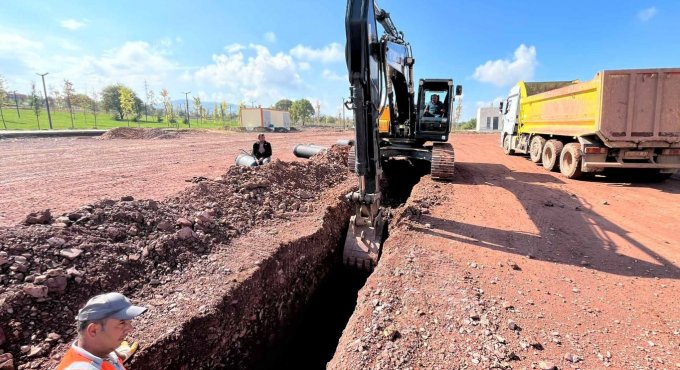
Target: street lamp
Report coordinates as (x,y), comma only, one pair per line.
(186,98)
(47,100)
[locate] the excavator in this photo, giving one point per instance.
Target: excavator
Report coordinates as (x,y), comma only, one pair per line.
(390,122)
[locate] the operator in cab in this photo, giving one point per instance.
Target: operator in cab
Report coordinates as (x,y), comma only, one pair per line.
(434,108)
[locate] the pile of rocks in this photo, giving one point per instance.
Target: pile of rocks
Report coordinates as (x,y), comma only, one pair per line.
(49,266)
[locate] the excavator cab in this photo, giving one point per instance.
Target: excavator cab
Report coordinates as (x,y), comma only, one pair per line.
(434,127)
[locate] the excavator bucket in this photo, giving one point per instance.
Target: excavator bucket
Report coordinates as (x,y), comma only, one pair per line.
(363,245)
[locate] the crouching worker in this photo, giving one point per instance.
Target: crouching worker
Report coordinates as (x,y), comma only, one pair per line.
(103,323)
(262,150)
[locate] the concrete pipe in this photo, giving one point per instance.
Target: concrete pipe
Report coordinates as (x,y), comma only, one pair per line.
(246,160)
(307,150)
(345,142)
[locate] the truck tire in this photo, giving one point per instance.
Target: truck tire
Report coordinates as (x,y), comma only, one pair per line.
(507,145)
(536,148)
(551,154)
(570,161)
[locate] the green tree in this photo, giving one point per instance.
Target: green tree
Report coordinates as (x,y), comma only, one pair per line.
(301,111)
(127,103)
(82,102)
(112,104)
(283,104)
(58,99)
(36,102)
(3,94)
(69,92)
(94,106)
(223,110)
(167,106)
(111,101)
(146,95)
(217,115)
(469,125)
(198,108)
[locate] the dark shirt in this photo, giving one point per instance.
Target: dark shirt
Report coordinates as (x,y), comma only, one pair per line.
(435,108)
(267,150)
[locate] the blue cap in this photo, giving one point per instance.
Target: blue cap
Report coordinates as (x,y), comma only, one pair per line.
(109,305)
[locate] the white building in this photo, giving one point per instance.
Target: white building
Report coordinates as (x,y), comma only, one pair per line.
(262,117)
(489,119)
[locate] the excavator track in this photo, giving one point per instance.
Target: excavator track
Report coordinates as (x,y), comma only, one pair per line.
(443,161)
(351,159)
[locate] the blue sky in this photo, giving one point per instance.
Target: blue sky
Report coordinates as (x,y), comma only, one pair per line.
(262,51)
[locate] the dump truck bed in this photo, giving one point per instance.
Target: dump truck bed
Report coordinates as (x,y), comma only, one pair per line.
(637,107)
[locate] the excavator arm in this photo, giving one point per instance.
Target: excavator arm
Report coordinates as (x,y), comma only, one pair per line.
(364,62)
(373,63)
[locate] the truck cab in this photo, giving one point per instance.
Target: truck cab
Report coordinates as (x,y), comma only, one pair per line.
(509,115)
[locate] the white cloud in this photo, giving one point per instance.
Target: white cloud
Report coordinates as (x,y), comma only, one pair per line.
(73,24)
(645,15)
(233,48)
(131,64)
(20,49)
(13,42)
(261,77)
(270,37)
(502,72)
(330,75)
(68,45)
(330,53)
(304,66)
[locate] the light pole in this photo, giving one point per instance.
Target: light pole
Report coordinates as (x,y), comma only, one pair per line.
(47,100)
(186,98)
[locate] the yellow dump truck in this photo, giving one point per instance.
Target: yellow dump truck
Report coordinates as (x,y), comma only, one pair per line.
(619,119)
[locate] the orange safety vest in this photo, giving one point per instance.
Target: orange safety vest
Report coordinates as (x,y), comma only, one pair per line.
(72,356)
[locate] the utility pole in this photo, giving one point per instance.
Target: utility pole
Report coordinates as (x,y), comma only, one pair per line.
(16,103)
(47,99)
(252,103)
(186,98)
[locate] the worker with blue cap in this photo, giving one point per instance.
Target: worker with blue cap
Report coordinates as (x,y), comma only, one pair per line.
(103,323)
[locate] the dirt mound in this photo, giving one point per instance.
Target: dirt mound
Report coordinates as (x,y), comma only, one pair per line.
(138,133)
(51,266)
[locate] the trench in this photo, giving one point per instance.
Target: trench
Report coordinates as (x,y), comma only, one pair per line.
(310,339)
(289,309)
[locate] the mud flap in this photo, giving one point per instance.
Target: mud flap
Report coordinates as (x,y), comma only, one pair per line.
(363,244)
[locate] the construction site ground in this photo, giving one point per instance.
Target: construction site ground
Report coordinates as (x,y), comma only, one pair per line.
(508,266)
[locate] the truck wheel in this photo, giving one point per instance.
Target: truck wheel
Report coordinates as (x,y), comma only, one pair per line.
(536,148)
(551,154)
(507,145)
(570,161)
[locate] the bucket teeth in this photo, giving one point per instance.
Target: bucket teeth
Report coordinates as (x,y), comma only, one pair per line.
(362,246)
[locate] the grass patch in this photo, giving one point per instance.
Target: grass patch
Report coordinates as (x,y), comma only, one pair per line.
(62,121)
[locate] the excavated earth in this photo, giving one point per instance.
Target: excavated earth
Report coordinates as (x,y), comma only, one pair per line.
(507,267)
(227,260)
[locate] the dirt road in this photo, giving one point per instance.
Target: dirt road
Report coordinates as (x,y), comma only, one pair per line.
(517,267)
(64,173)
(508,266)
